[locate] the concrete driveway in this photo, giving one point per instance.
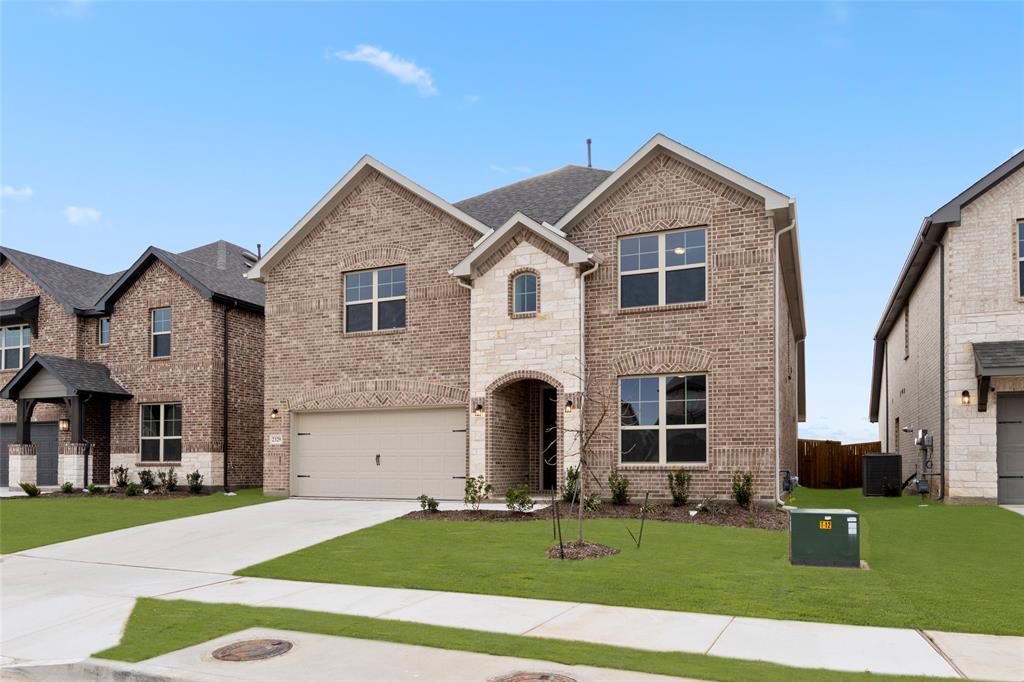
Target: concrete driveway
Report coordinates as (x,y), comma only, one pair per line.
(66,601)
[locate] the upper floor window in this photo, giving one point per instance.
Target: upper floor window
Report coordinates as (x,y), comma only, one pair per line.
(103,330)
(375,299)
(15,344)
(1020,258)
(161,326)
(662,269)
(160,433)
(663,419)
(524,293)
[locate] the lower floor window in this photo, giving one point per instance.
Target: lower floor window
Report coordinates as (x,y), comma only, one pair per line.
(161,432)
(663,419)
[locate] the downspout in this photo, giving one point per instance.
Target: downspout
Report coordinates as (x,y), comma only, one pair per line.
(778,418)
(885,351)
(224,444)
(942,362)
(583,347)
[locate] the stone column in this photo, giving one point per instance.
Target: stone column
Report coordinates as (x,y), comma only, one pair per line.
(22,467)
(71,462)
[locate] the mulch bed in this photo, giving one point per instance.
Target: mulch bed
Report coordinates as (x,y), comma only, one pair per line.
(113,494)
(721,514)
(577,550)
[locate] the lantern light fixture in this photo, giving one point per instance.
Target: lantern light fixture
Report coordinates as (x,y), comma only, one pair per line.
(64,425)
(965,397)
(275,414)
(478,410)
(569,405)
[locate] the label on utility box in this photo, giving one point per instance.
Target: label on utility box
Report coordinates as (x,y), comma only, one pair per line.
(851,525)
(825,524)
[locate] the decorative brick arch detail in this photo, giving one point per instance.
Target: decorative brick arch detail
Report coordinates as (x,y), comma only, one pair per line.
(663,360)
(662,216)
(379,393)
(510,292)
(520,375)
(374,257)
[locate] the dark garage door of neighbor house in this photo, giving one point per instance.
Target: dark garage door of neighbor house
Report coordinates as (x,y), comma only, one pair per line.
(44,435)
(1010,448)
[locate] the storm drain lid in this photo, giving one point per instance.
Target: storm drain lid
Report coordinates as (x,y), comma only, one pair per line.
(253,650)
(532,677)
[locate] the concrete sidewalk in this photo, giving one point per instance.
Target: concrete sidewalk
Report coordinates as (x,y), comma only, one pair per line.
(793,643)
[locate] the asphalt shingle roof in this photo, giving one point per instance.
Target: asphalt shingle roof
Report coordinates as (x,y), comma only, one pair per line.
(545,198)
(77,287)
(999,355)
(80,376)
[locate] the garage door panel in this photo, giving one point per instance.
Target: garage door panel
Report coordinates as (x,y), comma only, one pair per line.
(421,451)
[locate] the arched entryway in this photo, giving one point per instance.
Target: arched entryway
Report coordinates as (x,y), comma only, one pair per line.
(524,431)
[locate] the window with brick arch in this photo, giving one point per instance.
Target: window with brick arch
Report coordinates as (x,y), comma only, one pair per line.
(524,293)
(375,299)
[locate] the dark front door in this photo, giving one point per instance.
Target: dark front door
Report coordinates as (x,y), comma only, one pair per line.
(1010,448)
(44,435)
(549,438)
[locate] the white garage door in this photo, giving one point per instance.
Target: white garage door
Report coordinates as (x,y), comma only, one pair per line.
(380,453)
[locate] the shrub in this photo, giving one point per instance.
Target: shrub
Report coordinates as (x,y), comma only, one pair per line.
(31,489)
(620,489)
(570,489)
(591,502)
(120,475)
(477,490)
(67,487)
(168,480)
(427,503)
(92,489)
(147,479)
(742,487)
(132,489)
(195,482)
(678,485)
(517,499)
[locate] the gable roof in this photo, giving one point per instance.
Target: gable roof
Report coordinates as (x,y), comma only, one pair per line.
(363,168)
(77,377)
(930,234)
(75,288)
(545,198)
(489,244)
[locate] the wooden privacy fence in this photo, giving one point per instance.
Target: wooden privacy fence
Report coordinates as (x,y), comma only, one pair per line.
(831,464)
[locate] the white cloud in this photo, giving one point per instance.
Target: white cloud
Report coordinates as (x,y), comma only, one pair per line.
(81,215)
(407,72)
(12,191)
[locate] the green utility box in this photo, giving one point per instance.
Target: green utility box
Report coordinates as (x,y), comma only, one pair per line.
(824,537)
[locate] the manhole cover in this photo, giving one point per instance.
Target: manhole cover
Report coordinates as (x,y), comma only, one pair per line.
(532,677)
(252,650)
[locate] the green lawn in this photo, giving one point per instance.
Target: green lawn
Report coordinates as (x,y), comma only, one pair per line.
(939,567)
(27,523)
(158,627)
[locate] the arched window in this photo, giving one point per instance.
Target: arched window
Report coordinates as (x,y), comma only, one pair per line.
(524,293)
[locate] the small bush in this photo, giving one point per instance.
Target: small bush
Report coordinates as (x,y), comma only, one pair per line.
(427,503)
(31,489)
(742,487)
(92,489)
(517,499)
(147,479)
(132,489)
(678,485)
(120,476)
(195,482)
(168,480)
(620,489)
(477,490)
(710,506)
(591,502)
(570,489)
(67,487)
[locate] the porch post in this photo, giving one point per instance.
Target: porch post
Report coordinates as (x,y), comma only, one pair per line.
(23,420)
(73,457)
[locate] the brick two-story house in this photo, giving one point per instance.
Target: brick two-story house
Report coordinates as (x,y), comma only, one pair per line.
(158,366)
(417,342)
(949,349)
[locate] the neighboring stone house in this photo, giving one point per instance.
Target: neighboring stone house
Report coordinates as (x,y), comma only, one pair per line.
(129,368)
(418,342)
(949,350)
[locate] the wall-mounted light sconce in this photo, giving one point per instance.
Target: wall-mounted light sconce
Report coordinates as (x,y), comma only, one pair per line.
(64,425)
(965,397)
(478,410)
(275,414)
(569,406)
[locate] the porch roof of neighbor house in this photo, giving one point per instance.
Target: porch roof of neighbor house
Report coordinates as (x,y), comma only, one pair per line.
(76,376)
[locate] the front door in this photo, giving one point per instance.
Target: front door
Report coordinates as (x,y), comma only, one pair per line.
(549,438)
(1010,448)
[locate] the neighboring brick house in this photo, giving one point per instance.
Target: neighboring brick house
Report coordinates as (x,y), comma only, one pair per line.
(129,368)
(417,342)
(949,350)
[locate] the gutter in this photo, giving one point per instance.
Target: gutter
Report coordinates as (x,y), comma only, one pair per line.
(778,419)
(583,353)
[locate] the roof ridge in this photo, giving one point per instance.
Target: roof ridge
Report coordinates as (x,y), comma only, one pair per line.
(532,177)
(58,262)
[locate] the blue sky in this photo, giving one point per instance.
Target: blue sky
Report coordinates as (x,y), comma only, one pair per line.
(174,124)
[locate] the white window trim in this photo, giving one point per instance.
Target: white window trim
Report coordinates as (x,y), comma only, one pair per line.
(516,296)
(162,438)
(375,299)
(21,345)
(153,333)
(1020,258)
(99,331)
(662,427)
(662,268)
